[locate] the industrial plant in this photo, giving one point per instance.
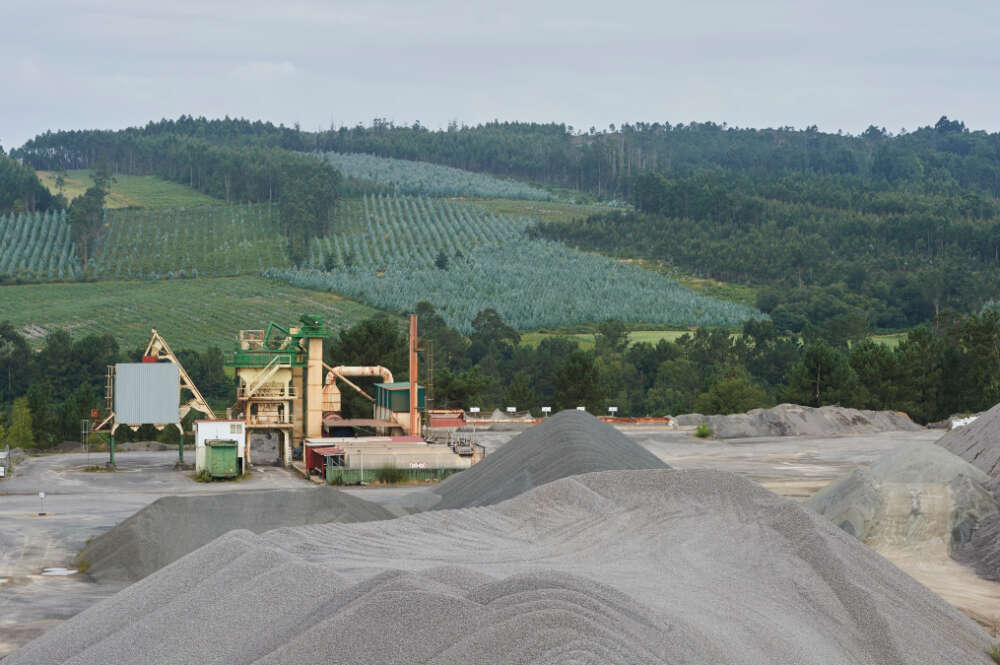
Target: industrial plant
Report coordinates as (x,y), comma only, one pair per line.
(287,411)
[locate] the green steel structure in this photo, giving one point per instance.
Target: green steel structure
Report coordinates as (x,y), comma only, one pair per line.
(276,341)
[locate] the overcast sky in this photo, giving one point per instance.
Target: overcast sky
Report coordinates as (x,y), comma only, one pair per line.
(74,64)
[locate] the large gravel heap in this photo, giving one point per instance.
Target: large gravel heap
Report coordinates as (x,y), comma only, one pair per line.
(795,420)
(172,526)
(653,566)
(916,495)
(567,444)
(978,442)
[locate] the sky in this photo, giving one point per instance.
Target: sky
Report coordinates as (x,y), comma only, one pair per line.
(72,64)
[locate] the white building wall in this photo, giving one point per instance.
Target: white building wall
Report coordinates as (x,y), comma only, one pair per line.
(207,430)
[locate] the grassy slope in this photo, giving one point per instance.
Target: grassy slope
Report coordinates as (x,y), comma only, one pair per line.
(586,340)
(144,191)
(192,313)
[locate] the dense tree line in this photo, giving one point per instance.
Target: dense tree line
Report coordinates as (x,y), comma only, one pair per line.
(946,156)
(606,162)
(123,149)
(22,191)
(935,372)
(52,389)
(950,368)
(819,248)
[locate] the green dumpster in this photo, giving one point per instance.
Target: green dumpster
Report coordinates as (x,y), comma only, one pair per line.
(220,458)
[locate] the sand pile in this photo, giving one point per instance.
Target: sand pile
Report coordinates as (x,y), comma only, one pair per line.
(172,526)
(977,442)
(569,443)
(651,566)
(794,420)
(918,495)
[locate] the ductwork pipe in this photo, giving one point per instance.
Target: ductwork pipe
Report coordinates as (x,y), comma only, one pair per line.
(331,393)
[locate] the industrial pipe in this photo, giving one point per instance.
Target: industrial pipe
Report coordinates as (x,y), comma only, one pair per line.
(331,393)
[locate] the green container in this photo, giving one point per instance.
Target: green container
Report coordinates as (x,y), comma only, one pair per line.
(220,458)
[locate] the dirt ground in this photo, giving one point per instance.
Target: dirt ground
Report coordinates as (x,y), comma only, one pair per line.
(83,504)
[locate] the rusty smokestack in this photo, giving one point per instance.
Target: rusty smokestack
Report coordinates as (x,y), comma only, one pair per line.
(414,416)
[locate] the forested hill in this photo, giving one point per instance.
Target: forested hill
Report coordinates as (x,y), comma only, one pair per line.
(821,251)
(874,230)
(946,157)
(20,188)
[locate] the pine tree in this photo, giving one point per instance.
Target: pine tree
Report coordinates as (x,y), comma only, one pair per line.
(19,431)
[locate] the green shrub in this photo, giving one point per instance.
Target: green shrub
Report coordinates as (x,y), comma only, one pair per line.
(388,474)
(703,431)
(995,653)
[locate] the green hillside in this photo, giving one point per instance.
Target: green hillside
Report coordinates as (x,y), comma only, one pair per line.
(190,313)
(404,176)
(464,260)
(135,191)
(211,241)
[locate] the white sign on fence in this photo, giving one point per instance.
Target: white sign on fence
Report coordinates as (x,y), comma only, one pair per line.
(581,408)
(473,409)
(546,409)
(612,409)
(511,409)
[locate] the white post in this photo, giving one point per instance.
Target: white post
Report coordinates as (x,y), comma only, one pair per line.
(473,409)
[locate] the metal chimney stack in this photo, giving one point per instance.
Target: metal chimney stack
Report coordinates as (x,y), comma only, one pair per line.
(414,416)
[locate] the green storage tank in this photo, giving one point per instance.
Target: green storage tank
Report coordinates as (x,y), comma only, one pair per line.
(220,458)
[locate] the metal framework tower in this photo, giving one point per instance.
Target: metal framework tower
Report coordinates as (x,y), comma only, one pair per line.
(280,373)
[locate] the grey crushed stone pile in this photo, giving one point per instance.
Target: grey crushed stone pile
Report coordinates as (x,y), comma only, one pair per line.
(566,444)
(173,526)
(982,552)
(641,566)
(795,420)
(916,493)
(978,442)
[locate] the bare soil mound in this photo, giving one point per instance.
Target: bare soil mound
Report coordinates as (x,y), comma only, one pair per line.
(172,526)
(915,496)
(569,443)
(977,442)
(652,566)
(795,420)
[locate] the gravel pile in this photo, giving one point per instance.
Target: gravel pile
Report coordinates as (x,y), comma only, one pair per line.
(649,566)
(569,443)
(982,552)
(918,494)
(172,526)
(794,420)
(977,442)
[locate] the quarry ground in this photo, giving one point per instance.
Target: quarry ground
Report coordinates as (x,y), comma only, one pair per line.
(81,504)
